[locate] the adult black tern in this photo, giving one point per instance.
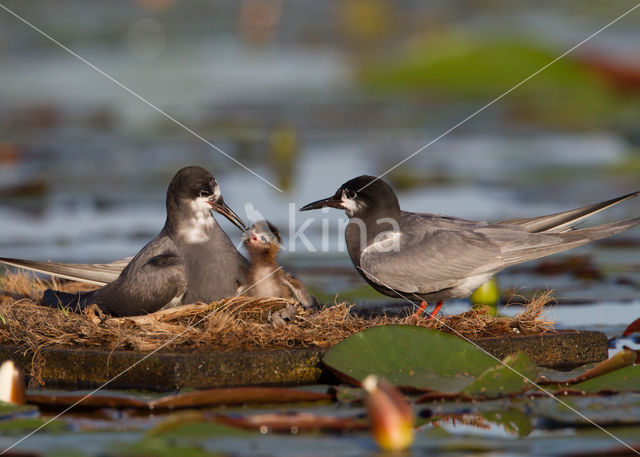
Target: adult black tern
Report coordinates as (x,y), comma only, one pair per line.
(190,260)
(265,278)
(430,257)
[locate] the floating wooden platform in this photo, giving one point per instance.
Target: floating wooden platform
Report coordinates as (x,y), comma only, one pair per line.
(164,371)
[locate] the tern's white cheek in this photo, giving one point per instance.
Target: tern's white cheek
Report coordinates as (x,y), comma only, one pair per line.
(195,229)
(200,205)
(350,205)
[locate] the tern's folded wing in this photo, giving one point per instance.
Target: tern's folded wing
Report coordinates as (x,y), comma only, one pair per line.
(91,273)
(428,262)
(565,220)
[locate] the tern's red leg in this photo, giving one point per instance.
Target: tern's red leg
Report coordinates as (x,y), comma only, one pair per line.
(434,313)
(423,306)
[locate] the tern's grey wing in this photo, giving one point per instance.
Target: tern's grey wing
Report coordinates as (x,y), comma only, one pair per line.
(440,259)
(517,247)
(153,280)
(91,273)
(430,261)
(565,220)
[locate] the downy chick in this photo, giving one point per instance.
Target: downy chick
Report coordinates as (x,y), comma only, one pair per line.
(265,277)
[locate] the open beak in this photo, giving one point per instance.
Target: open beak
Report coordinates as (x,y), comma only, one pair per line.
(221,207)
(332,202)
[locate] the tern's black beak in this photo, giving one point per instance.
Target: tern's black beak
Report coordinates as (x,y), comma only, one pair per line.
(332,202)
(221,207)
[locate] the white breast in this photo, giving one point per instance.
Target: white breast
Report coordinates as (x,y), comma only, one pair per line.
(384,242)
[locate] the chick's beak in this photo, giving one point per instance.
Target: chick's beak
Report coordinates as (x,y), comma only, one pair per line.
(219,206)
(332,202)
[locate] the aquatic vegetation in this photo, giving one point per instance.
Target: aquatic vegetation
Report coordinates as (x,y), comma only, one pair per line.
(567,93)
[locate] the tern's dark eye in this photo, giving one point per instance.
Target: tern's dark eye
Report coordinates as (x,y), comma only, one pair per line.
(263,238)
(205,193)
(350,194)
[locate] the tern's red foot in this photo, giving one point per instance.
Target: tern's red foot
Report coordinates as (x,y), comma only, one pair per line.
(423,306)
(434,313)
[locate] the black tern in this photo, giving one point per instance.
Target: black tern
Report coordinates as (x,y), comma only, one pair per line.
(190,260)
(265,278)
(430,257)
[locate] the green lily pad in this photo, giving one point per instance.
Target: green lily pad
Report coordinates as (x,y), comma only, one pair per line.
(9,410)
(23,425)
(191,424)
(619,360)
(501,380)
(410,356)
(513,420)
(160,448)
(607,410)
(625,379)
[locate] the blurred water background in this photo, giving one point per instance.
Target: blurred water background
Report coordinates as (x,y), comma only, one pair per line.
(309,94)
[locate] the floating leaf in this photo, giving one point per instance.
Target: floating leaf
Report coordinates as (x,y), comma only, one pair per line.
(346,394)
(158,447)
(513,420)
(626,379)
(622,409)
(192,424)
(293,422)
(97,400)
(505,379)
(199,398)
(9,410)
(619,360)
(409,356)
(20,426)
(548,375)
(238,396)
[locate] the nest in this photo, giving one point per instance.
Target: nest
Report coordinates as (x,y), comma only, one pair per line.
(238,323)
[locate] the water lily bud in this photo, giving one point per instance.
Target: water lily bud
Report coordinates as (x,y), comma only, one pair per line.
(391,415)
(12,388)
(487,294)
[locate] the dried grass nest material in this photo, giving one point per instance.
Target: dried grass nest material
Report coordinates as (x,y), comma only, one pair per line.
(238,323)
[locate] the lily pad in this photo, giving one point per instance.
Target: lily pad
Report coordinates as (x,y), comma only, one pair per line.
(410,356)
(192,424)
(503,380)
(619,360)
(513,420)
(9,410)
(625,379)
(609,410)
(237,396)
(193,399)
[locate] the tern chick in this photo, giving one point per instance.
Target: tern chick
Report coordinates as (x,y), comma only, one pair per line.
(265,277)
